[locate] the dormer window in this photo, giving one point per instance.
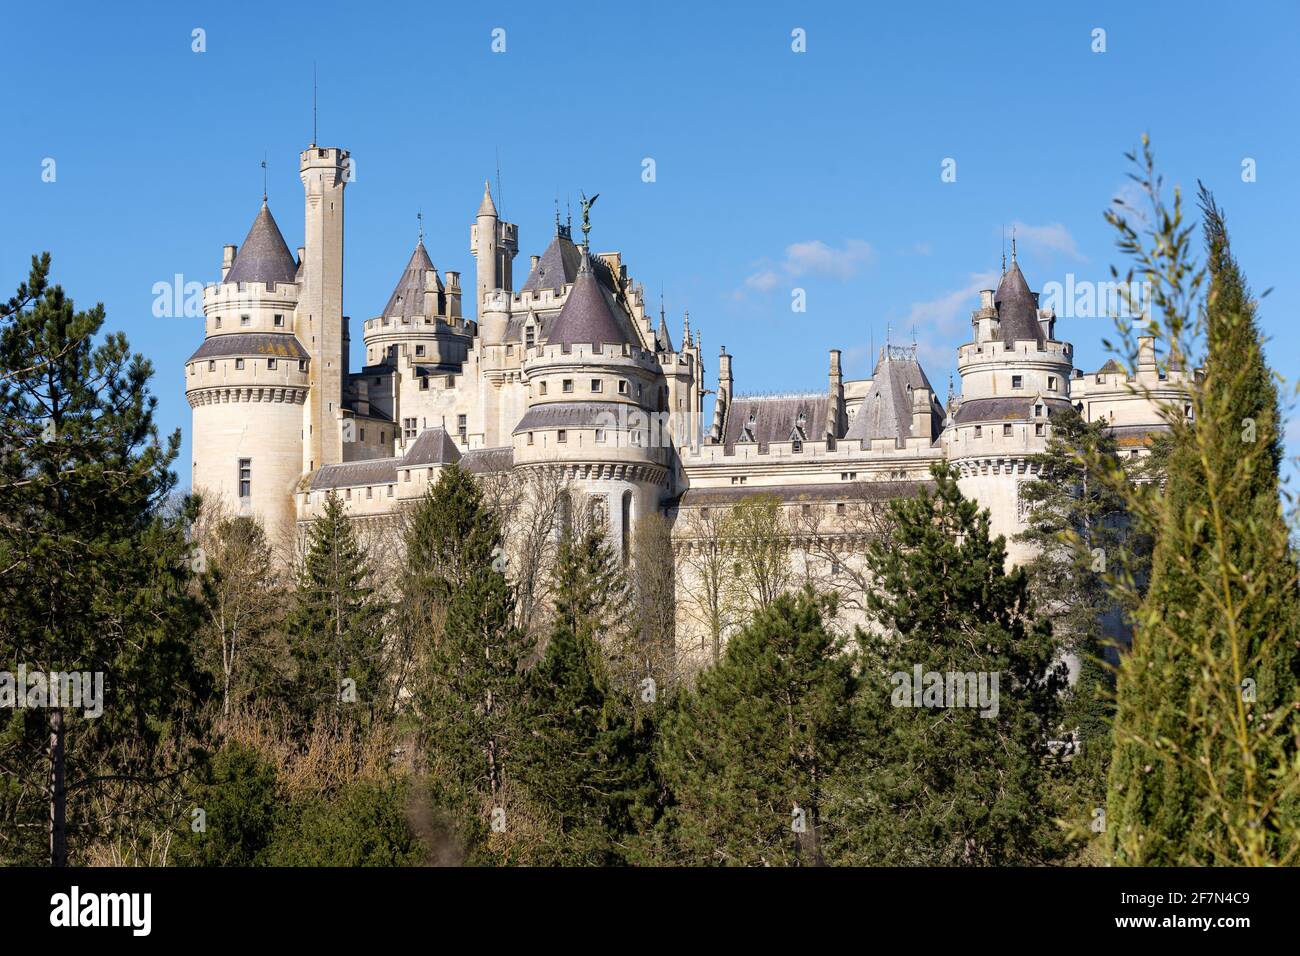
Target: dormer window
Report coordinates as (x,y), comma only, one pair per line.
(1038,411)
(530,337)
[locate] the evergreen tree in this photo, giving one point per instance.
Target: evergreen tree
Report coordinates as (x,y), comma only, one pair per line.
(241,806)
(947,781)
(469,697)
(748,752)
(94,579)
(336,628)
(583,761)
(1205,767)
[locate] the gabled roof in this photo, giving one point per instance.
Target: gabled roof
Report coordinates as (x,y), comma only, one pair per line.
(407,299)
(1017,308)
(587,317)
(761,419)
(557,267)
(263,257)
(886,411)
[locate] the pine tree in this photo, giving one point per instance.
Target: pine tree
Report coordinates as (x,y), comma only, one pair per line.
(1205,768)
(583,761)
(947,781)
(747,752)
(470,694)
(336,628)
(94,579)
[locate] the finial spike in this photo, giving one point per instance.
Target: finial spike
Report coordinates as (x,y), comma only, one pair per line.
(1013,245)
(264,177)
(314,138)
(419,218)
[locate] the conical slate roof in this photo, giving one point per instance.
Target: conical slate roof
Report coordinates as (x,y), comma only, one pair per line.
(557,267)
(886,412)
(487,207)
(407,299)
(263,257)
(1017,309)
(587,318)
(663,341)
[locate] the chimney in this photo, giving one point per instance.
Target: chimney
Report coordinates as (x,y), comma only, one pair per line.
(532,264)
(922,420)
(453,295)
(227,260)
(1146,352)
(835,402)
(723,402)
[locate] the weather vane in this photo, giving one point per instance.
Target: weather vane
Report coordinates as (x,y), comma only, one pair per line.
(263,177)
(419,218)
(586,205)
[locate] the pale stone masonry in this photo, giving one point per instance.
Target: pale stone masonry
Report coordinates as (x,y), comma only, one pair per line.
(569,374)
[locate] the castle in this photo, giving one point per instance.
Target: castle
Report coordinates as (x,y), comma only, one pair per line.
(566,372)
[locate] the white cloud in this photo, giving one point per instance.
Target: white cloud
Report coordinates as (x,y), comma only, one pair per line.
(1051,238)
(815,258)
(942,321)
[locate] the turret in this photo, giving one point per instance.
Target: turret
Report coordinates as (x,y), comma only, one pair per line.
(324,174)
(248,382)
(494,243)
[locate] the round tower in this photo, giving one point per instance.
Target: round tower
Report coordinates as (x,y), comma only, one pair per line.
(594,411)
(248,381)
(1014,377)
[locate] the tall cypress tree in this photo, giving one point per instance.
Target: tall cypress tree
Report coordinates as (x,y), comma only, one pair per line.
(747,753)
(94,578)
(1204,770)
(947,780)
(336,628)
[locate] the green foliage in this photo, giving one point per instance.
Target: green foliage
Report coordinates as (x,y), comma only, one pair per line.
(364,824)
(471,688)
(748,751)
(582,759)
(1205,768)
(957,785)
(94,574)
(241,807)
(336,627)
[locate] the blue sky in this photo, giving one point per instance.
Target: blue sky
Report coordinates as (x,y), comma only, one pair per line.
(774,169)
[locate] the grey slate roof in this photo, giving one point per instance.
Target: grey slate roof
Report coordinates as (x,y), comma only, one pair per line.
(572,415)
(663,341)
(349,474)
(407,299)
(433,447)
(760,419)
(251,345)
(886,411)
(1005,409)
(263,257)
(557,267)
(846,491)
(588,317)
(483,461)
(1017,308)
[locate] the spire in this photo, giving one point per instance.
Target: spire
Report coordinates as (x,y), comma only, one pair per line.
(664,341)
(1017,307)
(587,318)
(263,257)
(408,297)
(487,207)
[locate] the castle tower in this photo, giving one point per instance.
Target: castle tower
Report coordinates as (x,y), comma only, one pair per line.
(494,243)
(324,171)
(592,398)
(1014,377)
(248,383)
